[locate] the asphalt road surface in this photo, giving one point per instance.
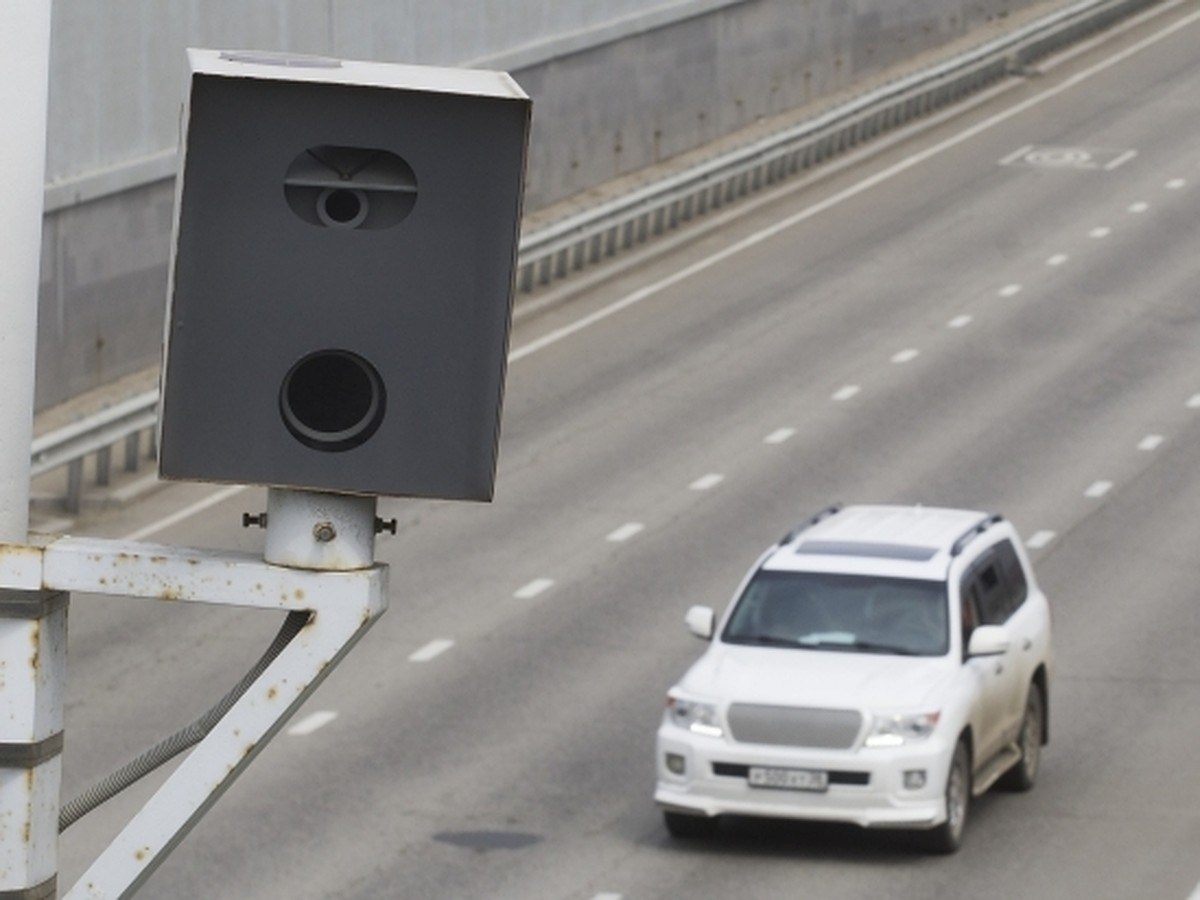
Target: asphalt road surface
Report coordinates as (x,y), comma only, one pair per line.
(998,310)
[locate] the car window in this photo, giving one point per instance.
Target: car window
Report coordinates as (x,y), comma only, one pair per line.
(1013,575)
(990,596)
(850,613)
(995,586)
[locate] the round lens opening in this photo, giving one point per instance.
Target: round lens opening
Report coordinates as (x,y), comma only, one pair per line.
(342,207)
(332,400)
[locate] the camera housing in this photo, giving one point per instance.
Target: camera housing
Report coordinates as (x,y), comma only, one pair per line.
(341,275)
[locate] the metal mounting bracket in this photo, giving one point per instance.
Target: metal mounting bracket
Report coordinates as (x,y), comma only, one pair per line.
(342,606)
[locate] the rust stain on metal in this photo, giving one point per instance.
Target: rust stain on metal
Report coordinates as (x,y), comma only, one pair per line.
(20,550)
(272,692)
(141,853)
(35,634)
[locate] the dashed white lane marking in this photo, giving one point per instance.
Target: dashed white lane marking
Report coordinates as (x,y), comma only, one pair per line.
(845,393)
(1039,539)
(1140,207)
(779,435)
(535,587)
(1101,231)
(959,322)
(1193,402)
(1151,442)
(906,355)
(1120,160)
(1009,290)
(608,896)
(840,197)
(186,513)
(309,724)
(625,532)
(432,650)
(706,482)
(1057,259)
(1098,489)
(1175,184)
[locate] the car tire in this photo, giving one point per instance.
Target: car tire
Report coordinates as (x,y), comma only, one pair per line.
(1023,774)
(947,837)
(687,827)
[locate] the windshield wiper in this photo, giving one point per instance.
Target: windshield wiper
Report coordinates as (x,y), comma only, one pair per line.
(763,640)
(861,646)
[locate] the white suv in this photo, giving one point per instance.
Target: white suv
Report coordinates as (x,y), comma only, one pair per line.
(880,665)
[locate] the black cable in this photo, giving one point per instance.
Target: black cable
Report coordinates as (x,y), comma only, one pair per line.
(186,737)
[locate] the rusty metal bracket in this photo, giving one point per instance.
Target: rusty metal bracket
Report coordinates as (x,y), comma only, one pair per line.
(342,606)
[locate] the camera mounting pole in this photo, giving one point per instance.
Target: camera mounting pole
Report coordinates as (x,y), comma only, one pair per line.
(33,624)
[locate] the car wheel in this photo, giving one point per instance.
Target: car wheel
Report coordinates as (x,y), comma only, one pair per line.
(682,825)
(1023,774)
(947,837)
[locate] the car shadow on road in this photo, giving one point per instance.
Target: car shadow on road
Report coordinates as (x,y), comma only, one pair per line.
(746,836)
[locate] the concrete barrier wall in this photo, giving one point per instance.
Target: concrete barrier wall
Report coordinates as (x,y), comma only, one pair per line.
(617,85)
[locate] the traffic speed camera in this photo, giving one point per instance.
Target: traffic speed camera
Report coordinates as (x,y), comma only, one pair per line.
(342,275)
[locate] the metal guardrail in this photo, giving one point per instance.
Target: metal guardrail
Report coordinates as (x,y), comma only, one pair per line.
(558,250)
(566,246)
(122,423)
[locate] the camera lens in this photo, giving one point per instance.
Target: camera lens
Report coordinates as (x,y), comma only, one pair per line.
(342,207)
(354,188)
(332,400)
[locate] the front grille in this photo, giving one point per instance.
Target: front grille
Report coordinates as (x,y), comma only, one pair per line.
(735,770)
(792,726)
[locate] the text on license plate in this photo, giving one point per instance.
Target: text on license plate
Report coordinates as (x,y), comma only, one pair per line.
(788,779)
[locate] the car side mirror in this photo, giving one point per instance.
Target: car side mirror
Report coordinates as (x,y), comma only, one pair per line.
(701,621)
(989,640)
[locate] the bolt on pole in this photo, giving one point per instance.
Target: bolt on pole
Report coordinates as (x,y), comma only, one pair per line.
(33,624)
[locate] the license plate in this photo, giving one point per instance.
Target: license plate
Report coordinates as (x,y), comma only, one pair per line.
(788,779)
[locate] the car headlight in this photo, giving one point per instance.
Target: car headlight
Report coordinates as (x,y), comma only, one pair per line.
(694,716)
(901,729)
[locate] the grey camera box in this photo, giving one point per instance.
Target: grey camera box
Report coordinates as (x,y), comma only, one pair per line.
(342,275)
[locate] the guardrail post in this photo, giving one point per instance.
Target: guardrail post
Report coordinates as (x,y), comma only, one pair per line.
(133,445)
(74,499)
(104,466)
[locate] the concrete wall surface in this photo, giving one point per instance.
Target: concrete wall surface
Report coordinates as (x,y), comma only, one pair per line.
(617,85)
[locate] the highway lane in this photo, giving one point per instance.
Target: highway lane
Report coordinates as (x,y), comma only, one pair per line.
(1010,335)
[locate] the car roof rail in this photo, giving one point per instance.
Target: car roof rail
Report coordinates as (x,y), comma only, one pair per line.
(812,520)
(973,532)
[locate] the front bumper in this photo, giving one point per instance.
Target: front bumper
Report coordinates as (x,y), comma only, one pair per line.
(867,786)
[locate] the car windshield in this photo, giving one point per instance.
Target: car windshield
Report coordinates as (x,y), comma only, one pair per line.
(849,613)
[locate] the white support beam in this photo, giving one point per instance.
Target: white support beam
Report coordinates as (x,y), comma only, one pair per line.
(342,604)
